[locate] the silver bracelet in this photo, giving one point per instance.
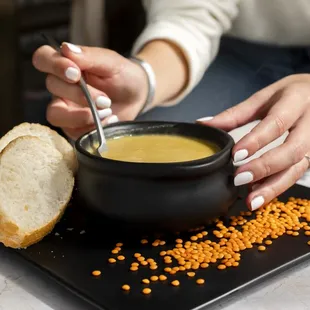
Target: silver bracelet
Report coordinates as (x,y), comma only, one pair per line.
(151,82)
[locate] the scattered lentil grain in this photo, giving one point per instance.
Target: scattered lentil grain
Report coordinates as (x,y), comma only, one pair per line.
(162,277)
(146,281)
(175,282)
(146,291)
(126,287)
(261,248)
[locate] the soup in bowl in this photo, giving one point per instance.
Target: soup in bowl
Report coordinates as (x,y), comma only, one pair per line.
(159,175)
(156,148)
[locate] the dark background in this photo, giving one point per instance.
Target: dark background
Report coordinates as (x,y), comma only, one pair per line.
(23,96)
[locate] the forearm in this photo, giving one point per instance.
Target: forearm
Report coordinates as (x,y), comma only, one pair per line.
(170,68)
(195,28)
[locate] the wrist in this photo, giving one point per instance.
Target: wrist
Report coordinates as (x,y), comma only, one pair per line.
(149,91)
(140,84)
(170,67)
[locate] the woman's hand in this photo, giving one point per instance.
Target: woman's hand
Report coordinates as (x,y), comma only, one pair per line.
(282,106)
(110,77)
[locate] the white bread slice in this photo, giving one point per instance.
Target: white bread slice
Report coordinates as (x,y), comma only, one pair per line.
(35,188)
(46,134)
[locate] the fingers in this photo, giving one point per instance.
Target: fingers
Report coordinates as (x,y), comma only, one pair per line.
(281,117)
(276,185)
(75,133)
(99,61)
(284,107)
(249,110)
(75,59)
(280,158)
(241,114)
(61,114)
(47,60)
(73,92)
(67,114)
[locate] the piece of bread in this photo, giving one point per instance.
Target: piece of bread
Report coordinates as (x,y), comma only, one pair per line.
(46,134)
(35,187)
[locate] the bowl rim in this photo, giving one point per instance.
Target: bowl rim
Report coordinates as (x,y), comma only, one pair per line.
(83,154)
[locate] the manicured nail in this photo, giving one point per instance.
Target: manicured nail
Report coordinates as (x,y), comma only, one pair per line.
(205,119)
(72,74)
(243,178)
(112,119)
(73,48)
(103,102)
(104,113)
(241,155)
(257,202)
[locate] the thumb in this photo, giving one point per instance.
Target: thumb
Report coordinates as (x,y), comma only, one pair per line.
(99,61)
(247,111)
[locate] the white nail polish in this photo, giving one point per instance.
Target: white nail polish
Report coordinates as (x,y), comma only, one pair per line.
(241,155)
(243,178)
(112,119)
(72,74)
(104,113)
(205,119)
(257,202)
(103,102)
(73,48)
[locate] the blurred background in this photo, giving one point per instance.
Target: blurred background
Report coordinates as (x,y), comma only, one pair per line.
(23,96)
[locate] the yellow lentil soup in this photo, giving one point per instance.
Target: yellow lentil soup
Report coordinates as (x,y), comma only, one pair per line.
(158,148)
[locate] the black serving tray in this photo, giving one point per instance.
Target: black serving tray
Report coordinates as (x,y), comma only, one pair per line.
(69,256)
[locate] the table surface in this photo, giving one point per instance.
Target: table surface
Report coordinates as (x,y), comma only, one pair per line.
(24,287)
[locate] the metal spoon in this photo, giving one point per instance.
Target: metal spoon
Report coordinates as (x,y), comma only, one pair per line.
(101,138)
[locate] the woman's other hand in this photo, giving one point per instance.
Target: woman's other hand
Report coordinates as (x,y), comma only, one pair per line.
(282,106)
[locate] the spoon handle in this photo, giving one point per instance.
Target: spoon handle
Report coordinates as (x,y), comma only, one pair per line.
(101,137)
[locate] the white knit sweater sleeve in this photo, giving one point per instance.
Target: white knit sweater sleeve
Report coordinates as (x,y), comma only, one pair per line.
(194,25)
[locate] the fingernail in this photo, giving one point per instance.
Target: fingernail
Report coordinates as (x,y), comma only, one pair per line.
(257,202)
(241,155)
(243,178)
(103,102)
(73,48)
(205,119)
(112,119)
(72,74)
(104,113)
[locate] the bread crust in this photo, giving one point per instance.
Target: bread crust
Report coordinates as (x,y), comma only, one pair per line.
(9,232)
(69,155)
(17,242)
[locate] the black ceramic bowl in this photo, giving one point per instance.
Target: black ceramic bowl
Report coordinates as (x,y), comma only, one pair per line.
(173,196)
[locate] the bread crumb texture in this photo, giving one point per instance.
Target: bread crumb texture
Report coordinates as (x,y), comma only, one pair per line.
(36,184)
(46,134)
